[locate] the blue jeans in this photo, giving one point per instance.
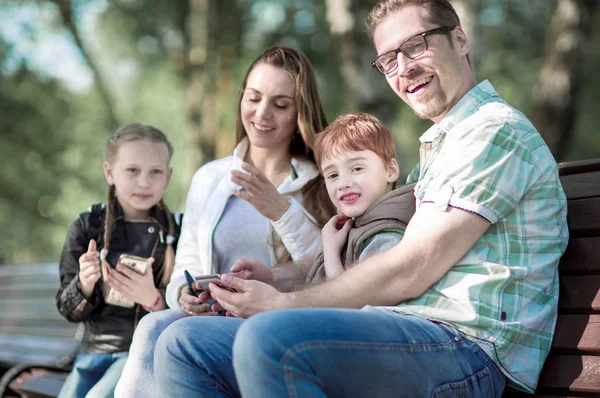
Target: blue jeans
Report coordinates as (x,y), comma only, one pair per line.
(93,375)
(322,353)
(137,379)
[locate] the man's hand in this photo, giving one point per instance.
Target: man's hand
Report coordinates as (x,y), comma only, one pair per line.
(250,269)
(250,297)
(89,269)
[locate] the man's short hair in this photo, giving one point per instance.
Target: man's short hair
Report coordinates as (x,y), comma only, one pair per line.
(436,12)
(355,132)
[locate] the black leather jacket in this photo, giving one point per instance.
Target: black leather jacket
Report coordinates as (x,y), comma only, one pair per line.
(108,328)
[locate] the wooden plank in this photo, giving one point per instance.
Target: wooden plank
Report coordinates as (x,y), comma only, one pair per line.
(577,333)
(39,383)
(579,294)
(582,256)
(578,186)
(564,374)
(578,166)
(583,217)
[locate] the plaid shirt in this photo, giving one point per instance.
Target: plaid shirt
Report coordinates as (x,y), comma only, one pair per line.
(487,158)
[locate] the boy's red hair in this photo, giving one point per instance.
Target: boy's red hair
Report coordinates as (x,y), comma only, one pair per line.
(355,132)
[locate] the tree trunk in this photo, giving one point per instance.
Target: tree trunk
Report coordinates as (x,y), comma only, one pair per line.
(555,97)
(367,88)
(201,12)
(66,14)
(468,12)
(214,44)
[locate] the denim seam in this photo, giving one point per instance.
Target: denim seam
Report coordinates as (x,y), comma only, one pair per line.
(468,381)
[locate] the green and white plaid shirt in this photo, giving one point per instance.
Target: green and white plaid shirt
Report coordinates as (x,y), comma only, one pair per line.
(487,158)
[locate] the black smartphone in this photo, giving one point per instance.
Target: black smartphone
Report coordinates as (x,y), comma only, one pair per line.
(190,282)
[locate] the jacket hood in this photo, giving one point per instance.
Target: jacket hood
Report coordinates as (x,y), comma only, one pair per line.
(393,205)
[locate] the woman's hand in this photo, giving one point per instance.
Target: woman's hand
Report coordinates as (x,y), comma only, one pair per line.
(192,305)
(136,287)
(89,269)
(259,192)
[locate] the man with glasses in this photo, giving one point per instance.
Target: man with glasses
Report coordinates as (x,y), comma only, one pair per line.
(463,305)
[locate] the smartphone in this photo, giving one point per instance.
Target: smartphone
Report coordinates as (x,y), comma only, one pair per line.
(190,283)
(204,280)
(138,264)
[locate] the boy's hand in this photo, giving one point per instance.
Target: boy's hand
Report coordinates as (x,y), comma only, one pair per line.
(335,233)
(89,269)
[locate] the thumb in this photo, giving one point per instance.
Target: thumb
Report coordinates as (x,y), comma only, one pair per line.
(92,246)
(233,282)
(347,225)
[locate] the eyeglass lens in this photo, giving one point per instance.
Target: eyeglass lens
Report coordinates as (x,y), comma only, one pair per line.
(414,47)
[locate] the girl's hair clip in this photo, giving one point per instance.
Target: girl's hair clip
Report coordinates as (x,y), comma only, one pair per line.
(103,254)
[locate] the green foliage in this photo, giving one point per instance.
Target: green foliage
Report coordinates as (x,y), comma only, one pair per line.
(51,137)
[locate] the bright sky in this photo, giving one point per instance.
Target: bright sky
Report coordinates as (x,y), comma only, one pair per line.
(35,37)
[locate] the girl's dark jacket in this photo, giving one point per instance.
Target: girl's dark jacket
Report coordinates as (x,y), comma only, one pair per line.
(108,328)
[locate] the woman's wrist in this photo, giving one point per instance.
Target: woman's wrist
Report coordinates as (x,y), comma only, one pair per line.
(278,212)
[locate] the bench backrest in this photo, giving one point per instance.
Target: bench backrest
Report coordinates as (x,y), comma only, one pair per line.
(573,366)
(31,329)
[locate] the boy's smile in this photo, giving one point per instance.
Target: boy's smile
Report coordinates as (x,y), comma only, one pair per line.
(356,179)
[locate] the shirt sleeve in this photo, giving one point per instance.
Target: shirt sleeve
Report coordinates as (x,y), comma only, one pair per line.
(485,169)
(70,301)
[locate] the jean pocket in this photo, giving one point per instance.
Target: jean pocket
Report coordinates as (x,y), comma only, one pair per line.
(479,385)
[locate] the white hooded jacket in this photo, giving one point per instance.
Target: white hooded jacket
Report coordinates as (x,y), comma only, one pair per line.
(210,189)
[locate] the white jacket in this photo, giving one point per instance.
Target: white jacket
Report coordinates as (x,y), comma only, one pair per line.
(210,189)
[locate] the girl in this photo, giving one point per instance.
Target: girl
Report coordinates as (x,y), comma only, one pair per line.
(135,221)
(266,201)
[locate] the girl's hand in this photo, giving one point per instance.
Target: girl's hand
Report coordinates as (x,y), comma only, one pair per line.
(89,269)
(335,233)
(259,192)
(192,305)
(136,287)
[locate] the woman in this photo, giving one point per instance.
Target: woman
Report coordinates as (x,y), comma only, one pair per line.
(266,201)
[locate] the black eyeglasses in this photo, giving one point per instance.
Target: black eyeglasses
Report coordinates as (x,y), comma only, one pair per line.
(411,48)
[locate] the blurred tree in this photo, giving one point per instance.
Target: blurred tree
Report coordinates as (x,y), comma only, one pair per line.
(556,97)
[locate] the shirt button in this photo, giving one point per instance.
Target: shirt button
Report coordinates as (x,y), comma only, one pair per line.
(457,338)
(150,230)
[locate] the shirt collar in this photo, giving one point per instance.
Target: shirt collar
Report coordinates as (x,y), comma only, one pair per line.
(463,109)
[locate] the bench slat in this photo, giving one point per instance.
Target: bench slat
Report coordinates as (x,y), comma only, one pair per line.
(578,166)
(579,186)
(582,256)
(583,217)
(577,333)
(570,373)
(579,294)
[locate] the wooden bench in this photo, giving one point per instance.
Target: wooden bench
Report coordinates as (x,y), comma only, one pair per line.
(32,331)
(573,367)
(571,370)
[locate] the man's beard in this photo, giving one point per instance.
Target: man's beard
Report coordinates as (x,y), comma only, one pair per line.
(434,106)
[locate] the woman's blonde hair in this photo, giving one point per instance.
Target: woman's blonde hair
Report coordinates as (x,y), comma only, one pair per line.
(311,121)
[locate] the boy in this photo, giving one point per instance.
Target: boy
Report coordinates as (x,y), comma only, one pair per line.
(357,158)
